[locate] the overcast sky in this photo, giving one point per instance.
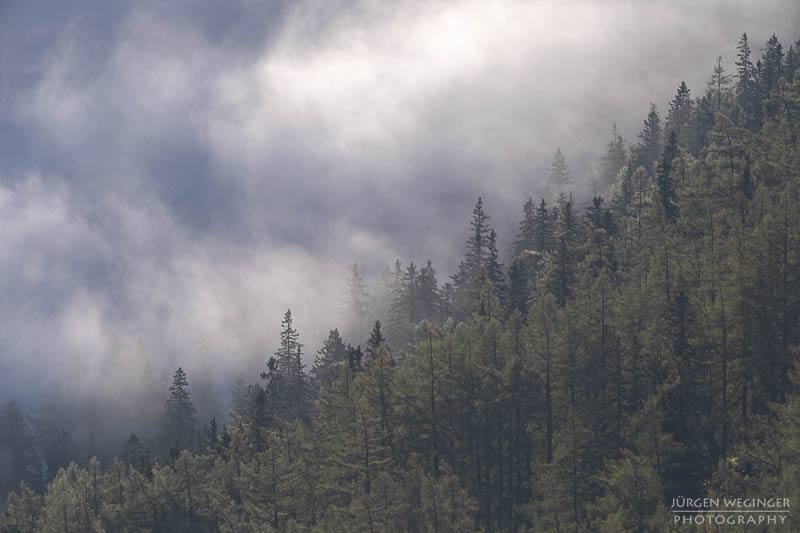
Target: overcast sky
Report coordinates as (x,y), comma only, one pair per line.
(178,171)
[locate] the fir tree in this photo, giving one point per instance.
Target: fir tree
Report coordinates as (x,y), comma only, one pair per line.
(526,235)
(180,410)
(747,85)
(559,179)
(664,180)
(613,160)
(649,146)
(327,359)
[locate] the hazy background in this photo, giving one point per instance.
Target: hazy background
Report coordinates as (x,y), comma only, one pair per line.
(174,175)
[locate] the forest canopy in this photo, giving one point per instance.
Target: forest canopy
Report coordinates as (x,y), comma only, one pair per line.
(623,352)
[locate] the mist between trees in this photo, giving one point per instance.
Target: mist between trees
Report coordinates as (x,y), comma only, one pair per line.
(624,351)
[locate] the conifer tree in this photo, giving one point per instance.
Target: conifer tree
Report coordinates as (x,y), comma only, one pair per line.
(526,235)
(287,356)
(375,340)
(428,292)
(180,410)
(747,85)
(356,299)
(18,460)
(718,84)
(559,179)
(494,269)
(649,147)
(664,180)
(613,160)
(327,359)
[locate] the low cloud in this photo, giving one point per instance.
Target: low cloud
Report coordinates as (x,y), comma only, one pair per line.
(171,173)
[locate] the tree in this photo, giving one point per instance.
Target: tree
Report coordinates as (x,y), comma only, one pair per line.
(792,62)
(288,389)
(494,269)
(471,274)
(18,460)
(137,456)
(180,411)
(649,146)
(332,353)
(681,109)
(564,259)
(719,85)
(559,179)
(747,86)
(288,354)
(613,160)
(355,293)
(666,185)
(772,60)
(428,293)
(526,235)
(376,338)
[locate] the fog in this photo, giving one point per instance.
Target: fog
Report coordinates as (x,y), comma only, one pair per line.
(175,175)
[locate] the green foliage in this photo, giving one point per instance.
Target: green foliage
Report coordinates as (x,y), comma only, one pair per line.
(634,351)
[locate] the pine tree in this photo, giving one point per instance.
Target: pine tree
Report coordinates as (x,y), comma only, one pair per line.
(718,84)
(287,355)
(137,456)
(681,109)
(559,180)
(355,295)
(792,62)
(519,288)
(649,146)
(613,160)
(292,394)
(471,274)
(375,340)
(428,293)
(478,242)
(526,235)
(180,410)
(562,273)
(772,60)
(494,269)
(544,229)
(18,460)
(327,360)
(666,186)
(747,86)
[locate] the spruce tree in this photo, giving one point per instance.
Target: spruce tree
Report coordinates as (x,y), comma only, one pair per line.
(747,85)
(649,146)
(327,359)
(494,269)
(375,340)
(180,410)
(664,180)
(559,179)
(526,235)
(428,292)
(286,356)
(613,160)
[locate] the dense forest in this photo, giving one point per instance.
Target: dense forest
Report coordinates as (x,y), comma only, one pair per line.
(636,349)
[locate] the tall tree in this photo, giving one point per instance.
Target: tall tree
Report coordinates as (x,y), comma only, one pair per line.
(526,235)
(613,160)
(327,359)
(665,182)
(747,85)
(649,147)
(180,410)
(356,298)
(559,179)
(679,118)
